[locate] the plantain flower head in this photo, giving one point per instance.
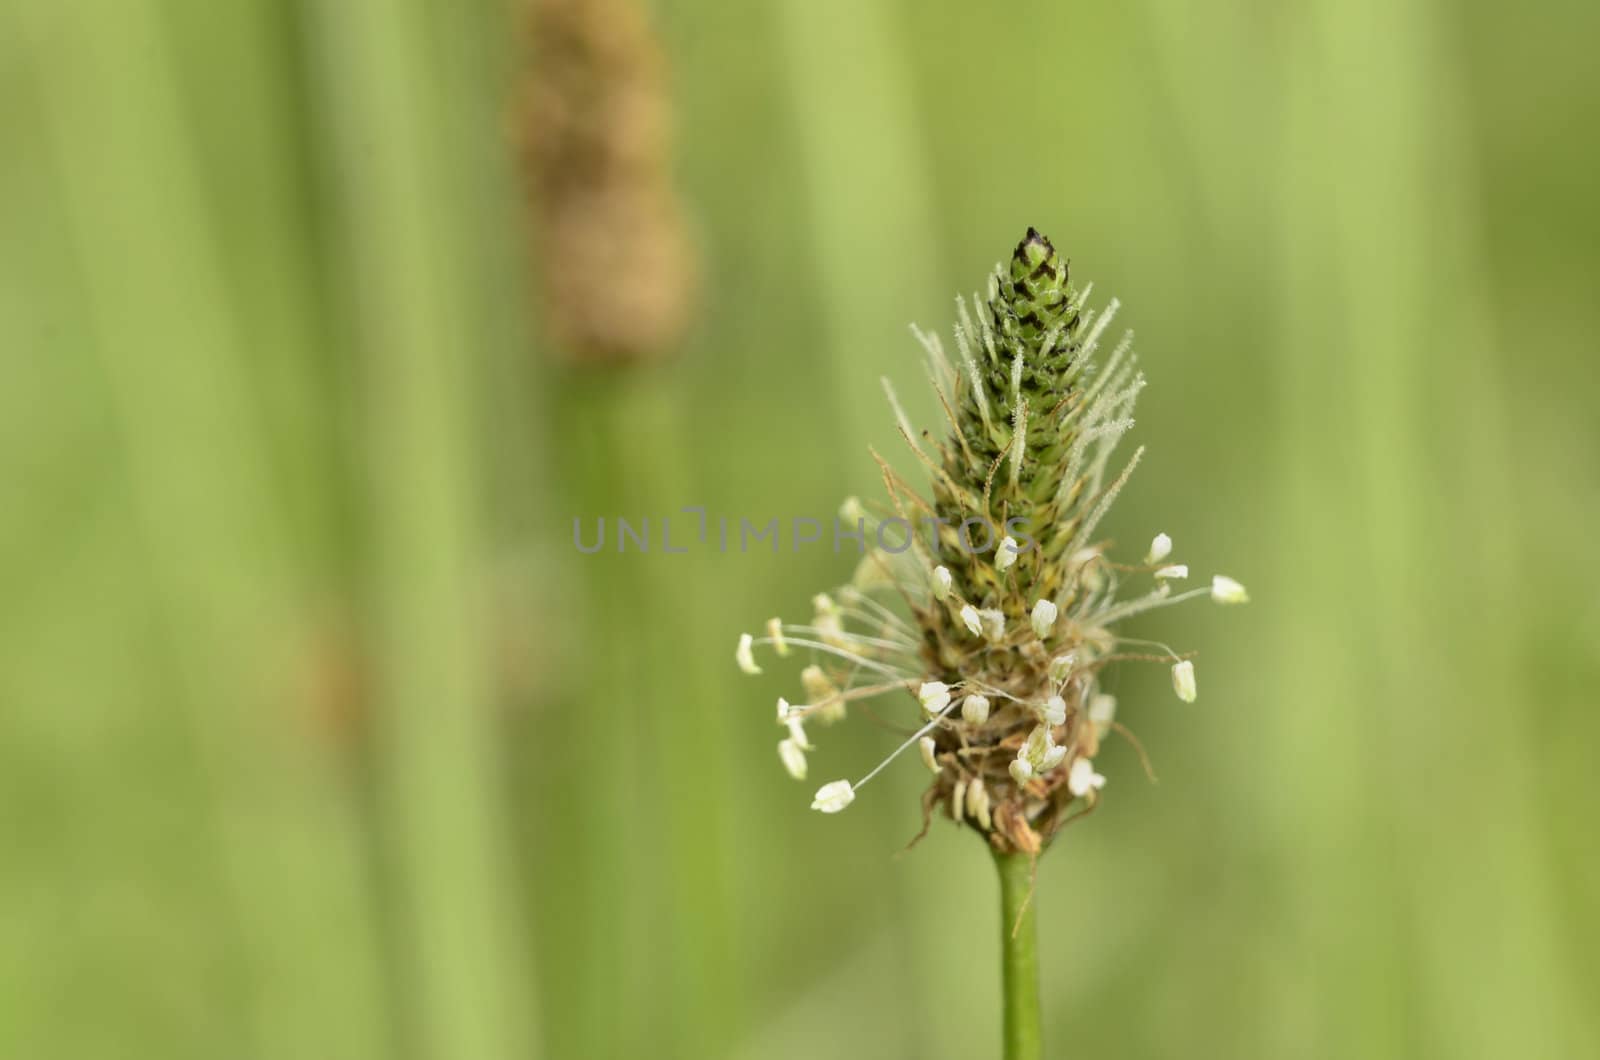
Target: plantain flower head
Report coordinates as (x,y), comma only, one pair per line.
(1005,603)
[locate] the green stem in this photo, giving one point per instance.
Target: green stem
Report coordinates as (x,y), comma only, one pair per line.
(1019,957)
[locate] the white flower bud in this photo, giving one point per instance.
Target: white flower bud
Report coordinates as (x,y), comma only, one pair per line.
(785,708)
(941,582)
(1082,779)
(1052,758)
(978,804)
(794,759)
(1183,681)
(1055,711)
(1176,570)
(926,746)
(1043,618)
(1006,554)
(1102,711)
(1021,771)
(1224,590)
(1061,667)
(775,631)
(975,709)
(1160,549)
(851,511)
(934,696)
(745,655)
(970,618)
(994,623)
(833,797)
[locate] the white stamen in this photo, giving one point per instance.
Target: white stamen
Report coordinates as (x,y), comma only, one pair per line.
(1061,666)
(926,745)
(941,582)
(794,759)
(1175,570)
(1052,758)
(1037,747)
(978,803)
(745,655)
(1043,618)
(975,709)
(1082,779)
(1183,681)
(994,623)
(833,797)
(797,732)
(1055,711)
(775,631)
(823,692)
(1006,554)
(1160,549)
(1224,590)
(1102,711)
(1021,771)
(970,618)
(934,696)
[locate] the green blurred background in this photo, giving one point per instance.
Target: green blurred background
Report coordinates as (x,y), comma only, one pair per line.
(318,738)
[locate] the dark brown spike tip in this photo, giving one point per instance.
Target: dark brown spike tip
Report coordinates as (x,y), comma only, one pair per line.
(1034,252)
(1034,248)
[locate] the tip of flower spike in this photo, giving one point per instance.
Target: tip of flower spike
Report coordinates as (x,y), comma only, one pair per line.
(833,797)
(1224,590)
(1034,248)
(744,655)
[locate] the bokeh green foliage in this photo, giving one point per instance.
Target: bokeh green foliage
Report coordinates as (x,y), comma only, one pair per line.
(317,737)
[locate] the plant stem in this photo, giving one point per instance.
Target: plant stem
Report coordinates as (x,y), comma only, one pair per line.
(1019,958)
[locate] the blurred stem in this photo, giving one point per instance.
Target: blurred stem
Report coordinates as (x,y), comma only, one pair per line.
(1019,957)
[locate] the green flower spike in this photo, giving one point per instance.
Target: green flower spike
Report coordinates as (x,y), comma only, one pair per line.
(996,623)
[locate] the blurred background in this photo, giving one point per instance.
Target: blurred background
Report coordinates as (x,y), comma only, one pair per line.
(320,322)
